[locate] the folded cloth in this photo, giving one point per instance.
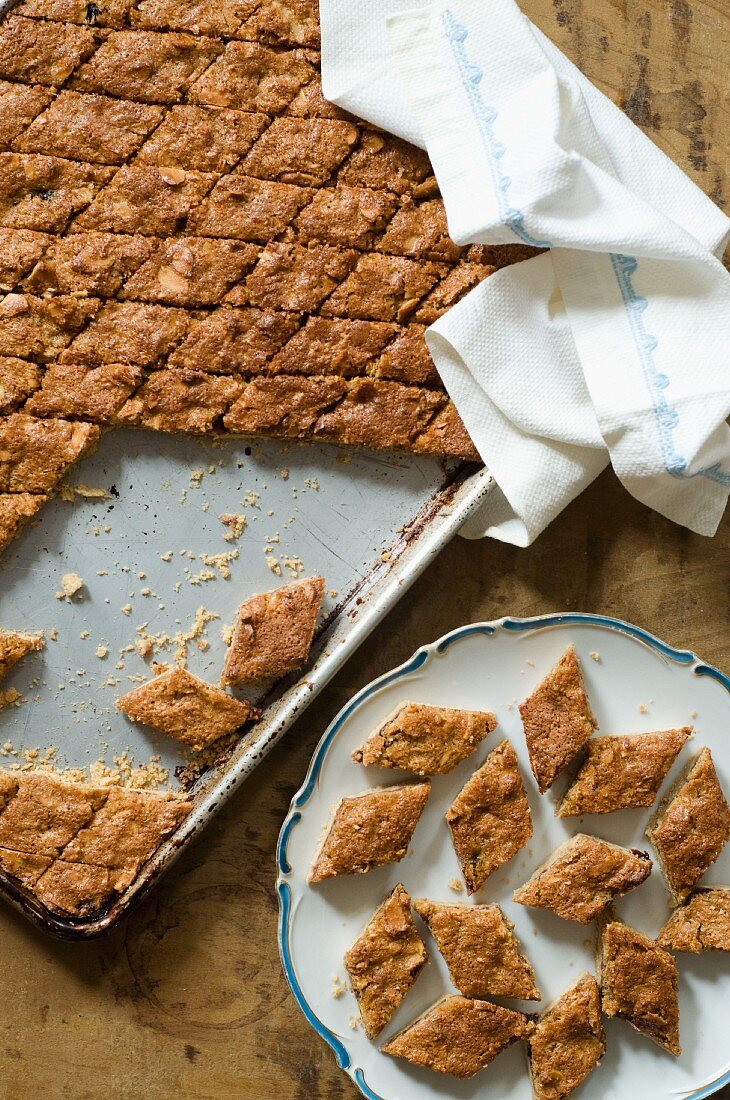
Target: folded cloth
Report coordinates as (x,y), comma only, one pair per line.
(612,345)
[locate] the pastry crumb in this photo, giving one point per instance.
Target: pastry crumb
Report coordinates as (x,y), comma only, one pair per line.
(10,698)
(221,562)
(643,709)
(235,523)
(455,885)
(102,652)
(594,656)
(71,585)
(90,492)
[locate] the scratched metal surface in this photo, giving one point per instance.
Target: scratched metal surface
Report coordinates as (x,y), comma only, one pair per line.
(367,523)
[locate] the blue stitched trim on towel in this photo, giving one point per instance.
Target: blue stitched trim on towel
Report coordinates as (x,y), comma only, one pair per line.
(485,115)
(665,416)
(624,267)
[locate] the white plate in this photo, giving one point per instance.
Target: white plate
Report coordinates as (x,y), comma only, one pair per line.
(638,684)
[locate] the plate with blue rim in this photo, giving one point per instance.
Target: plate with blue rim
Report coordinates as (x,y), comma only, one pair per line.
(636,683)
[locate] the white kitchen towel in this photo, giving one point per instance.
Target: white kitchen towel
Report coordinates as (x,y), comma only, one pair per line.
(613,345)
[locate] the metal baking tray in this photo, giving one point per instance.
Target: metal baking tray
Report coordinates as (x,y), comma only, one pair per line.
(368,523)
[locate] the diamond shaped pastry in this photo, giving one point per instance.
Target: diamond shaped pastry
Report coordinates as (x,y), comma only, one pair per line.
(385,960)
(701,924)
(186,708)
(369,829)
(558,720)
(458,1036)
(583,876)
(490,817)
(567,1042)
(425,740)
(480,949)
(691,827)
(639,983)
(619,772)
(273,632)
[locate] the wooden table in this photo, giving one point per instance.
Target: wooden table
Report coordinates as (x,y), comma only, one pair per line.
(187,1000)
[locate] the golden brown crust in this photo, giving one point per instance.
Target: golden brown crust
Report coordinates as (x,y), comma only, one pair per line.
(96,393)
(197,16)
(294,22)
(20,249)
(639,983)
(490,818)
(458,1036)
(350,217)
(251,77)
(111,13)
(16,509)
(385,960)
(273,632)
(76,845)
(44,193)
(44,53)
(8,788)
(176,194)
(46,813)
(92,128)
(480,949)
(583,876)
(424,739)
(420,230)
(692,826)
(233,341)
(35,454)
(567,1042)
(146,199)
(304,151)
(14,646)
(622,771)
(701,924)
(41,327)
(407,359)
(129,332)
(87,263)
(191,271)
(186,708)
(558,720)
(358,411)
(19,105)
(145,66)
(332,346)
(447,292)
(370,829)
(209,139)
(383,288)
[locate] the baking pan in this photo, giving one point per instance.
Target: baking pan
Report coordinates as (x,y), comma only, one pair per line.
(139,523)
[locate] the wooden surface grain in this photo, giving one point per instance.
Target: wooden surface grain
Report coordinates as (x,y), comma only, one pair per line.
(187,999)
